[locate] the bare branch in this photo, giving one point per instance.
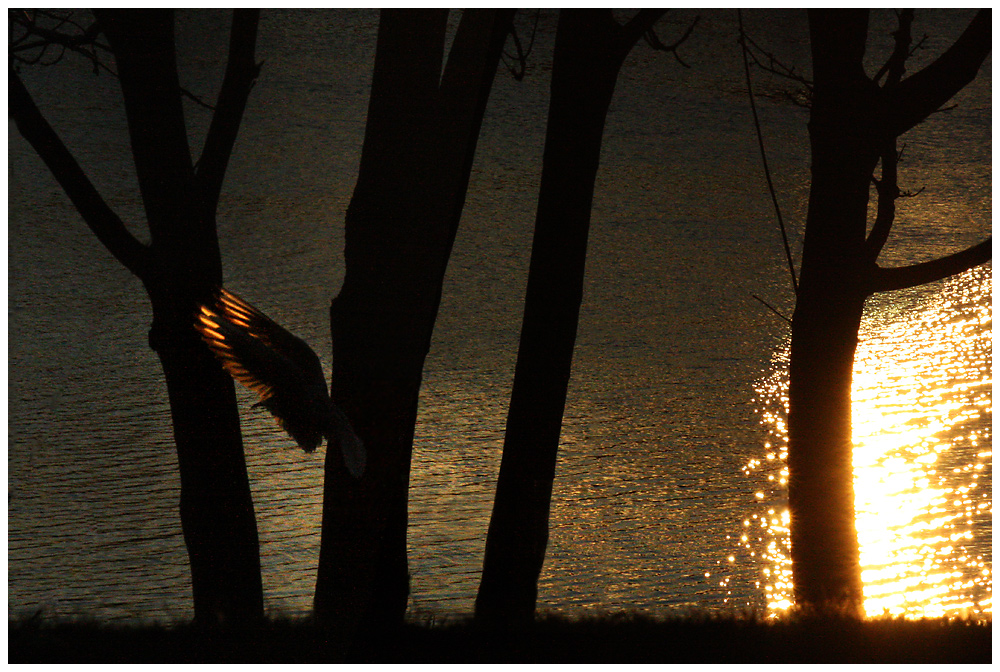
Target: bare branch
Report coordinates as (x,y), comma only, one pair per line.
(763,158)
(241,73)
(195,99)
(76,44)
(773,309)
(895,66)
(919,45)
(87,36)
(888,192)
(83,41)
(654,41)
(522,54)
(105,224)
(889,279)
(773,65)
(918,96)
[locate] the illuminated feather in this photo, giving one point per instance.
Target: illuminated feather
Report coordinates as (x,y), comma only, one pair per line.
(282,370)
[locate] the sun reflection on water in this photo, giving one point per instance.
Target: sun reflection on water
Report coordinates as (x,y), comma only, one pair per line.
(922,420)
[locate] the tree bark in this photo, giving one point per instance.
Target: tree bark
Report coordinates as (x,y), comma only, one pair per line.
(420,140)
(589,52)
(179,267)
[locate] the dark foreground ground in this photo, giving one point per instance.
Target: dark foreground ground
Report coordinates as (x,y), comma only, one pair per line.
(607,639)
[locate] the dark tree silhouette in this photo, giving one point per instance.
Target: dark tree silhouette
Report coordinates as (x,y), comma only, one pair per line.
(421,134)
(854,123)
(180,266)
(589,51)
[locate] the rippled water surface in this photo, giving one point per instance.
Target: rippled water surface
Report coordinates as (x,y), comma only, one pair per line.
(669,491)
(923,434)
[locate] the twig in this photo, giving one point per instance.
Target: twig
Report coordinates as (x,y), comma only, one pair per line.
(196,99)
(772,309)
(774,66)
(763,156)
(85,43)
(654,41)
(522,54)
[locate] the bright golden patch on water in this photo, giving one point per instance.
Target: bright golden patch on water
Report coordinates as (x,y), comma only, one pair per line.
(922,422)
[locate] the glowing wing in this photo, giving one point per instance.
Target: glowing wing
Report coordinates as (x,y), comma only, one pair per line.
(284,372)
(269,360)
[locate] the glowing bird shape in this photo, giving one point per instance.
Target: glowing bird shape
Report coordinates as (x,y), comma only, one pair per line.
(284,372)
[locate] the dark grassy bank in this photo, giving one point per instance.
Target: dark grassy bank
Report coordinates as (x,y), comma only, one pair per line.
(605,639)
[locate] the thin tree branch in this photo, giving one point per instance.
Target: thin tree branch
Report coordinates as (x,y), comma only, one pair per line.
(888,186)
(763,157)
(88,36)
(241,73)
(895,66)
(76,43)
(522,54)
(919,45)
(773,309)
(196,100)
(889,279)
(921,94)
(654,41)
(775,66)
(888,192)
(105,224)
(84,42)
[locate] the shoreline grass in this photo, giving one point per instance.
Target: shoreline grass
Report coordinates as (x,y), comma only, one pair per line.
(613,638)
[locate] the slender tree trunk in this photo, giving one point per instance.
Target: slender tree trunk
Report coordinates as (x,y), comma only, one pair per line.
(590,49)
(420,140)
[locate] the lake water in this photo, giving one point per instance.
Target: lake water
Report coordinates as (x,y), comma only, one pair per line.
(669,492)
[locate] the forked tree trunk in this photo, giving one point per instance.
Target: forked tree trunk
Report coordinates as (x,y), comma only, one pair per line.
(852,123)
(217,515)
(420,140)
(180,267)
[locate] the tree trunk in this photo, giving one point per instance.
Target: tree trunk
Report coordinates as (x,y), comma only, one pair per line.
(825,556)
(216,507)
(590,49)
(852,123)
(416,160)
(832,293)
